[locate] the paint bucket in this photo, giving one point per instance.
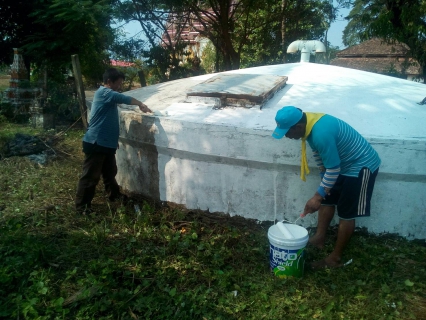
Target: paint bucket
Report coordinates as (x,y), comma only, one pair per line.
(287,249)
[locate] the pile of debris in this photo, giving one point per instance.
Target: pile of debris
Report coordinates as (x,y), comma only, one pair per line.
(35,148)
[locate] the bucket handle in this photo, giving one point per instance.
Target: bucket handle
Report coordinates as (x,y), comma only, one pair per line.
(294,222)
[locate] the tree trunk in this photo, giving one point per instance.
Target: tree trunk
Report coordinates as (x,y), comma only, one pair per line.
(217,49)
(142,79)
(227,65)
(424,74)
(235,60)
(283,7)
(327,55)
(231,58)
(80,88)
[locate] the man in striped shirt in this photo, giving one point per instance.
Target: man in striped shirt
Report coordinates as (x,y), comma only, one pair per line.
(101,141)
(348,167)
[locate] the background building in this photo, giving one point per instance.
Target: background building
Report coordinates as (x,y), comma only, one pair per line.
(375,55)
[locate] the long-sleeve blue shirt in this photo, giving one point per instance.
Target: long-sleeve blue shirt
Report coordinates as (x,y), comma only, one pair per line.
(340,149)
(104,125)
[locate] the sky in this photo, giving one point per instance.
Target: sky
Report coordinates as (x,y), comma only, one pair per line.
(336,29)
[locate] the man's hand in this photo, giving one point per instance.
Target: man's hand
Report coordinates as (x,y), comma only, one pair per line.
(144,108)
(141,105)
(312,205)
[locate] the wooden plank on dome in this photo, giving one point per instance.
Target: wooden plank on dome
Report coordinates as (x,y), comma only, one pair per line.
(237,90)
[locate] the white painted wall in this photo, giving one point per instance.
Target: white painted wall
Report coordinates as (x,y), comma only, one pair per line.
(227,161)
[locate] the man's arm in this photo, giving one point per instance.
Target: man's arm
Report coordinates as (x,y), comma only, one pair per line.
(329,178)
(319,163)
(326,154)
(141,105)
(327,182)
(123,98)
(312,205)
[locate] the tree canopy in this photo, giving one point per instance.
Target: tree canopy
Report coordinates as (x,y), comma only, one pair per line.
(16,25)
(50,31)
(279,24)
(245,31)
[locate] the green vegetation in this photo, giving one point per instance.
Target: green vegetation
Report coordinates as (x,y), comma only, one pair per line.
(251,33)
(170,263)
(50,31)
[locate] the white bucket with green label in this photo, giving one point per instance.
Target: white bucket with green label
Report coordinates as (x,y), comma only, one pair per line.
(287,249)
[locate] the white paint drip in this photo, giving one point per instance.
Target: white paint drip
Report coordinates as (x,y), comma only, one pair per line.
(275,195)
(348,262)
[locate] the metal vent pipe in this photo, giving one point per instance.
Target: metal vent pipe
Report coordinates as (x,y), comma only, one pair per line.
(306,47)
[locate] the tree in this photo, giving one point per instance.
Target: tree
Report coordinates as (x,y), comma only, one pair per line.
(303,20)
(16,25)
(216,20)
(330,11)
(67,27)
(279,24)
(226,23)
(391,20)
(162,50)
(250,32)
(50,31)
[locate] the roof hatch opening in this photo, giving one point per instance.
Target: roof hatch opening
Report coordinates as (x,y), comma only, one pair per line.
(237,90)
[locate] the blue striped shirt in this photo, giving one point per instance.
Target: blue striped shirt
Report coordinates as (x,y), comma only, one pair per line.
(340,149)
(104,126)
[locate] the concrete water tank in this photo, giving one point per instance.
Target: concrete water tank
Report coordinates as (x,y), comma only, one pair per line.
(225,160)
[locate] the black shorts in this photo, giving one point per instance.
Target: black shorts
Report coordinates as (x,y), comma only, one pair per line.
(352,195)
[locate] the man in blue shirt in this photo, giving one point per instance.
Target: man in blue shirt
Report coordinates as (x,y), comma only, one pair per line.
(101,141)
(348,166)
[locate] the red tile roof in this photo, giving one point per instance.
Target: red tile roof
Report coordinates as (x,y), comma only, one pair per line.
(375,55)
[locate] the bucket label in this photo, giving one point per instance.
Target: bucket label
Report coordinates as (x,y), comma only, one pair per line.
(287,263)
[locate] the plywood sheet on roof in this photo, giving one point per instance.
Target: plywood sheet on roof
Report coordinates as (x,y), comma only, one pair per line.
(244,90)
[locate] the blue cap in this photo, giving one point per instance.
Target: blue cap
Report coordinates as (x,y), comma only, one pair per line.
(286,117)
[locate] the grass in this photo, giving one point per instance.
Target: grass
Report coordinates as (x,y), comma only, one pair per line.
(167,262)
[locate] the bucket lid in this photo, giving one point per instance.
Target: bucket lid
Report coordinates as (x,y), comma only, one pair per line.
(300,235)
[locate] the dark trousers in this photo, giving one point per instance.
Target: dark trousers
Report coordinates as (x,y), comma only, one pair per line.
(96,165)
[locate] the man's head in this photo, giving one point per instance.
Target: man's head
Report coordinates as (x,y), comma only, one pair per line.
(113,79)
(291,122)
